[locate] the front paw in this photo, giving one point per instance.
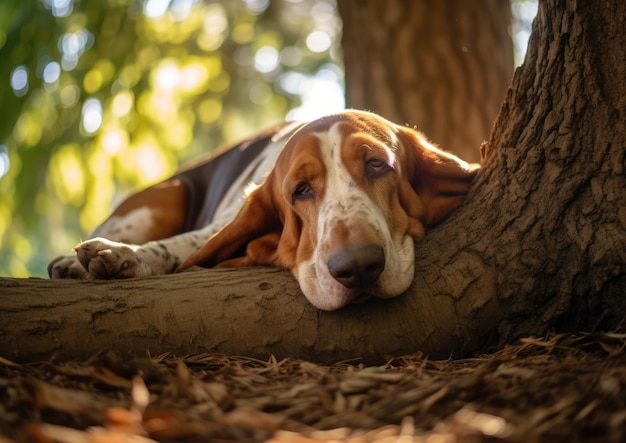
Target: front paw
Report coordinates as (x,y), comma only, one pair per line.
(66,267)
(104,258)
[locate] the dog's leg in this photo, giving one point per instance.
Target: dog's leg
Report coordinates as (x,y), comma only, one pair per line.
(104,258)
(155,213)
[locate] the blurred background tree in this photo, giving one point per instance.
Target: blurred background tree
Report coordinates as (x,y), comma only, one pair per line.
(452,63)
(103,97)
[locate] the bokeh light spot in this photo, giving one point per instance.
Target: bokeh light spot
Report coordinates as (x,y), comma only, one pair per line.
(122,103)
(318,41)
(51,72)
(166,76)
(69,95)
(114,141)
(5,162)
(92,115)
(19,81)
(209,110)
(266,59)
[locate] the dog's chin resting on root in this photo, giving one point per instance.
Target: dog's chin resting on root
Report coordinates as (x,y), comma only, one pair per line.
(338,201)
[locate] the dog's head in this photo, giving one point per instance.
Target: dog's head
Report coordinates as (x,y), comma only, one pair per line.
(347,198)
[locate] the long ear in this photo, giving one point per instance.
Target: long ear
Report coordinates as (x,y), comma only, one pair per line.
(439,180)
(251,238)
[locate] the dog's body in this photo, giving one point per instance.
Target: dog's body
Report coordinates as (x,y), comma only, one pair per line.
(339,202)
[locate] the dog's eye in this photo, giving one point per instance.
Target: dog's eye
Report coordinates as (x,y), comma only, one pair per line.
(376,167)
(303,191)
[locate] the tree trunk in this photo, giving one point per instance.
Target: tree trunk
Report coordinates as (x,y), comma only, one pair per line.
(540,243)
(555,175)
(444,66)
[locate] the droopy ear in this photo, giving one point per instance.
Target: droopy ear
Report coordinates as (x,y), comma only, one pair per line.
(251,238)
(439,180)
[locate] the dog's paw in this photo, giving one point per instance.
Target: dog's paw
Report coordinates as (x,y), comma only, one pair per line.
(66,267)
(102,258)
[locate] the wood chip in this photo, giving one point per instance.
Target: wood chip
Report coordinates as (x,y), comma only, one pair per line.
(558,388)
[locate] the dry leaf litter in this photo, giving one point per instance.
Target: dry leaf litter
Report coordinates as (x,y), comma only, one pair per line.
(565,388)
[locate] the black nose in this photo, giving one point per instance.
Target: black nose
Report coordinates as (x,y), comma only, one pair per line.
(356,265)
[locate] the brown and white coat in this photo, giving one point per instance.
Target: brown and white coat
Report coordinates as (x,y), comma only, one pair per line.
(339,201)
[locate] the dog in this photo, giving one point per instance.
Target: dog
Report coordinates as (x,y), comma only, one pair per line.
(339,201)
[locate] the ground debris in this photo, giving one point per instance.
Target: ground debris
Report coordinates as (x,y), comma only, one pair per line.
(558,388)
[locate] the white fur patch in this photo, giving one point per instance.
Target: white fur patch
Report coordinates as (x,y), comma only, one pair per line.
(132,227)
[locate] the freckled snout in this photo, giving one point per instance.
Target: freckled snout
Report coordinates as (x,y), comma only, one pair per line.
(357,265)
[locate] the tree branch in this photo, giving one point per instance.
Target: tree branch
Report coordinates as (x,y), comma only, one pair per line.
(255,312)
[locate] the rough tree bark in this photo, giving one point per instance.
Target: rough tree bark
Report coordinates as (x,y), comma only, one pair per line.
(540,243)
(555,175)
(443,66)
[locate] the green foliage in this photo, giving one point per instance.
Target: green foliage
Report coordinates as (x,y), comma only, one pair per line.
(106,96)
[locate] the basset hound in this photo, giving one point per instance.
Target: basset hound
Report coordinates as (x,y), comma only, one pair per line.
(338,201)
